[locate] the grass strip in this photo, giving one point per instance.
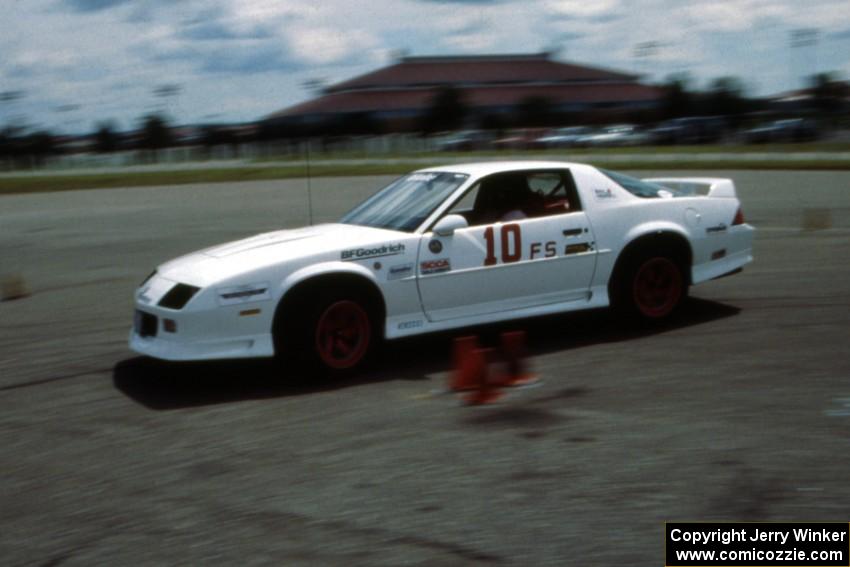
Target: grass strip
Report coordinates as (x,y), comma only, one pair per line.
(62,182)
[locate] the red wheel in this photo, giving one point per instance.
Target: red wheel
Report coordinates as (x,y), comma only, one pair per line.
(343,334)
(657,287)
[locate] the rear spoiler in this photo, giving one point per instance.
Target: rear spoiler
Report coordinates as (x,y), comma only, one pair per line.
(708,186)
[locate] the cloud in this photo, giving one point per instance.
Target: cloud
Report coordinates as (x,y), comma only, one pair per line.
(840,35)
(479,2)
(94,5)
(218,31)
(248,61)
(469,22)
(598,10)
(469,32)
(325,45)
(143,8)
(570,36)
(471,41)
(604,18)
(19,72)
(271,12)
(232,60)
(44,60)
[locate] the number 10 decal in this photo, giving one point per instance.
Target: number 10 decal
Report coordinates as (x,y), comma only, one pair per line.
(511,240)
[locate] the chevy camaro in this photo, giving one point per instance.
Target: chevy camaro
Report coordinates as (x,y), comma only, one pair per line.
(443,248)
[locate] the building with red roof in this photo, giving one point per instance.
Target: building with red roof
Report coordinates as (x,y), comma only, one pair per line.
(399,96)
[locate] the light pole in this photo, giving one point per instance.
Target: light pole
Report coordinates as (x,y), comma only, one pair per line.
(7,99)
(644,52)
(799,39)
(167,93)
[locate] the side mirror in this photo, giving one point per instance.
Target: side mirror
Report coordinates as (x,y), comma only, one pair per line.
(447,225)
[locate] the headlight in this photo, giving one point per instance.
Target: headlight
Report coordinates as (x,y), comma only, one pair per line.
(178,296)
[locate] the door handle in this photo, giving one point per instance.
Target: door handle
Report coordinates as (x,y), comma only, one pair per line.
(573,231)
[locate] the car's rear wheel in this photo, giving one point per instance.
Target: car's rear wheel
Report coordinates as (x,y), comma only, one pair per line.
(650,287)
(657,287)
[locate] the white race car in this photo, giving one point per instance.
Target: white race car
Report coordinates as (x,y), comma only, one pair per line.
(443,248)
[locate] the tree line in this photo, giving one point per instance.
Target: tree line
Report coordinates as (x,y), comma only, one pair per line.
(22,148)
(447,111)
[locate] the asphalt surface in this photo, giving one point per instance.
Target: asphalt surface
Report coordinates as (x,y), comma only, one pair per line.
(739,410)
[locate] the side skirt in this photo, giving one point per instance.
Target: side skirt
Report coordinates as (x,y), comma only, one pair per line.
(416,324)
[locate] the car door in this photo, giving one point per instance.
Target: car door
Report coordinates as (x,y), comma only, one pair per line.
(543,256)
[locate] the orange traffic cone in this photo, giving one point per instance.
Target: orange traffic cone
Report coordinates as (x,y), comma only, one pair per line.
(513,353)
(467,365)
(486,392)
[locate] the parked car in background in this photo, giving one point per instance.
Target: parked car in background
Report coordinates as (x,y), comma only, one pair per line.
(618,135)
(689,130)
(564,137)
(521,139)
(464,141)
(782,131)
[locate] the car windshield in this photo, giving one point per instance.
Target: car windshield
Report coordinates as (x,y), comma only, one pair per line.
(406,202)
(636,186)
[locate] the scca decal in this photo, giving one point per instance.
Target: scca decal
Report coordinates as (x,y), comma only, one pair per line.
(435,266)
(366,253)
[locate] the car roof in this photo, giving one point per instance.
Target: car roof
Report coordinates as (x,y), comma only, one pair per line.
(480,169)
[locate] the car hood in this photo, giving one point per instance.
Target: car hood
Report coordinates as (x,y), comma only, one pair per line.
(323,242)
(272,239)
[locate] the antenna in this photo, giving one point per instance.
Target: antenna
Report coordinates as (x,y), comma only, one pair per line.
(309,186)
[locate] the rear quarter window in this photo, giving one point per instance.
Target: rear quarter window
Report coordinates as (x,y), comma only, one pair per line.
(635,186)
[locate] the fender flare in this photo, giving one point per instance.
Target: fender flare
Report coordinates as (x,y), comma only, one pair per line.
(298,277)
(657,234)
(324,274)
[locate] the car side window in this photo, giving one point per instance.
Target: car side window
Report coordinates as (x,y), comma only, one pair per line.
(517,195)
(558,191)
(546,182)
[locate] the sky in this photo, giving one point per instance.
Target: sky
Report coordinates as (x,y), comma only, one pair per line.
(67,65)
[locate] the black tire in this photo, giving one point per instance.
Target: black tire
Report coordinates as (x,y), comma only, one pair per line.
(327,333)
(649,286)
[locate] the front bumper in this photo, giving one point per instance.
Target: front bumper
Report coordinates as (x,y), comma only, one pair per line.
(252,346)
(203,329)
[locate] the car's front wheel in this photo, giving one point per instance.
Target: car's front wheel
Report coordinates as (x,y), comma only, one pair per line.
(326,332)
(342,334)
